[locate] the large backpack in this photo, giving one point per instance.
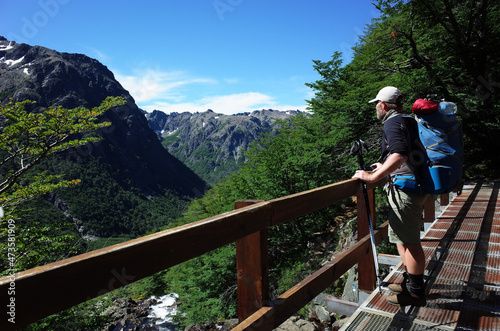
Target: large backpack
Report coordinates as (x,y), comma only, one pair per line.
(441,134)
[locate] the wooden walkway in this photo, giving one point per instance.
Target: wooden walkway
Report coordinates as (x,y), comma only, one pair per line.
(462,275)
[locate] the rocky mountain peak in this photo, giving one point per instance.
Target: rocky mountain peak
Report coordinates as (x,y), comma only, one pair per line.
(210,143)
(52,78)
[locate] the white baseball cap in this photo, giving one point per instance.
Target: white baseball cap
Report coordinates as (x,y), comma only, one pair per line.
(388,94)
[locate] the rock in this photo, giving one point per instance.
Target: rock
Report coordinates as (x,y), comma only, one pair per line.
(323,315)
(227,325)
(339,323)
(207,326)
(296,323)
(306,325)
(210,326)
(351,286)
(123,311)
(127,315)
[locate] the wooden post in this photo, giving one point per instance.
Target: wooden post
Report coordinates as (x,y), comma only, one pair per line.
(367,279)
(429,210)
(444,199)
(252,269)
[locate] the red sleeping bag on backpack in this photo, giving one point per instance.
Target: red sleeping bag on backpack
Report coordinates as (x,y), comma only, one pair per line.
(424,107)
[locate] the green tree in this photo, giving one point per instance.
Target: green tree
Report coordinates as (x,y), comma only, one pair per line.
(339,107)
(206,286)
(27,136)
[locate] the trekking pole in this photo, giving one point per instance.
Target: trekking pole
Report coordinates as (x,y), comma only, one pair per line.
(357,149)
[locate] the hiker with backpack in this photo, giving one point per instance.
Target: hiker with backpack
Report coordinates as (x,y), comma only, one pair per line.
(403,156)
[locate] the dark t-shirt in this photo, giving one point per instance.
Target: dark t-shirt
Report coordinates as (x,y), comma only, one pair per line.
(401,136)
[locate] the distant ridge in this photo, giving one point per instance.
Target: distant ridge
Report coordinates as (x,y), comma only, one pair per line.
(212,144)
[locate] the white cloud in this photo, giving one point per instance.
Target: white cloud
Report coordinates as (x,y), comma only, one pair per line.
(154,89)
(225,104)
(153,84)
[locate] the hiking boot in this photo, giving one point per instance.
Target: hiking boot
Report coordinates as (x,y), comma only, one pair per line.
(399,288)
(396,288)
(405,298)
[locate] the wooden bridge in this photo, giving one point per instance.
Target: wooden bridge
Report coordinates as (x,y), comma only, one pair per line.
(462,276)
(466,238)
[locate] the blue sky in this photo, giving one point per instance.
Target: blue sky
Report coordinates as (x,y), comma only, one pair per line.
(230,56)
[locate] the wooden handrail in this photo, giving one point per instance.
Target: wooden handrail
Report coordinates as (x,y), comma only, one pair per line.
(48,289)
(270,317)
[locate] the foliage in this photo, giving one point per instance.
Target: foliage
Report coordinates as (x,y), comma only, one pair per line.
(86,316)
(37,244)
(291,159)
(26,138)
(297,271)
(35,176)
(340,109)
(213,169)
(99,243)
(102,190)
(206,285)
(144,288)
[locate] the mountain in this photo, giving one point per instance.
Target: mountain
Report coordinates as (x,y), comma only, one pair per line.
(212,144)
(124,176)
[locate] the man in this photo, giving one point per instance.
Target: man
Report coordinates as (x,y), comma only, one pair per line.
(402,154)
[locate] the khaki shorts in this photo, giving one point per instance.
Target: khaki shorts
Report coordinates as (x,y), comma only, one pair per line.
(405,216)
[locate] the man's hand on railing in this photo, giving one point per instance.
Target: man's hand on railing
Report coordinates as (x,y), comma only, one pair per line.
(391,163)
(368,176)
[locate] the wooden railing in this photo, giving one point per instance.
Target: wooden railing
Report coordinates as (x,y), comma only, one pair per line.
(45,290)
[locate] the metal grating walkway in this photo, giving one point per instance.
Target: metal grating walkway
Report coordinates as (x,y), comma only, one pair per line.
(462,276)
